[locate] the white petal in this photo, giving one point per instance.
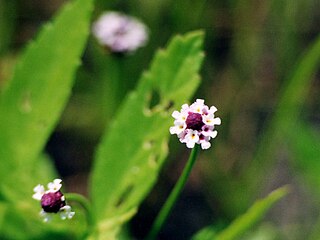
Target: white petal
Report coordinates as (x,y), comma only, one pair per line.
(182,135)
(213,109)
(178,128)
(205,110)
(57,181)
(205,145)
(46,216)
(208,119)
(71,214)
(213,134)
(197,106)
(39,191)
(192,135)
(180,117)
(176,114)
(55,185)
(65,212)
(185,107)
(190,144)
(172,130)
(217,121)
(200,101)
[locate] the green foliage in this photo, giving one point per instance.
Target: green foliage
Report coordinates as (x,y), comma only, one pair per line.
(32,103)
(206,233)
(252,216)
(245,221)
(252,48)
(30,106)
(305,147)
(296,89)
(288,111)
(134,148)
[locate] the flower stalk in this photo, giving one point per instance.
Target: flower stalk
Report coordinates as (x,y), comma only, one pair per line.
(173,197)
(85,204)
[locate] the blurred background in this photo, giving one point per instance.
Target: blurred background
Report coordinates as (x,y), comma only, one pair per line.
(269,135)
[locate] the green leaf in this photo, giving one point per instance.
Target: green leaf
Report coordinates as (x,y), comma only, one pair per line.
(245,221)
(3,209)
(31,104)
(252,216)
(295,92)
(304,143)
(43,172)
(22,221)
(293,95)
(134,148)
(265,231)
(206,233)
(297,88)
(305,147)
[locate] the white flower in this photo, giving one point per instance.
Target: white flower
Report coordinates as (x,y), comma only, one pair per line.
(38,192)
(52,201)
(65,212)
(55,185)
(180,116)
(120,33)
(191,138)
(178,128)
(195,124)
(210,120)
(46,216)
(198,106)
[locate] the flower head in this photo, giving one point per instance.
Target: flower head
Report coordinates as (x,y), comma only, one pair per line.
(195,124)
(52,201)
(120,33)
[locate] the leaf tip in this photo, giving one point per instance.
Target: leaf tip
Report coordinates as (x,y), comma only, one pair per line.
(197,34)
(280,192)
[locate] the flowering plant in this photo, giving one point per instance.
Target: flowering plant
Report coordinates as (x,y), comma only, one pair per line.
(120,33)
(52,201)
(133,138)
(195,124)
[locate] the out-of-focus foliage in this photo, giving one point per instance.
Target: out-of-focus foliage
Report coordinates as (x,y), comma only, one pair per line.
(34,98)
(30,106)
(246,221)
(256,212)
(7,16)
(261,71)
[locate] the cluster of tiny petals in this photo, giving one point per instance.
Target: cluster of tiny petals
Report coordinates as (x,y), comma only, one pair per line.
(120,33)
(195,124)
(52,200)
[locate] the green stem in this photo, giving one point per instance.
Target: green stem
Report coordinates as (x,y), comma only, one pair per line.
(112,85)
(85,204)
(172,199)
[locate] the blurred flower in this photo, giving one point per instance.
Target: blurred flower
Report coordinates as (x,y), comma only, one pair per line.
(52,201)
(120,33)
(195,124)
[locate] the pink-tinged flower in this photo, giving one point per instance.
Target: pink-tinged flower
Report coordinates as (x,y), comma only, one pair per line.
(120,33)
(52,201)
(195,124)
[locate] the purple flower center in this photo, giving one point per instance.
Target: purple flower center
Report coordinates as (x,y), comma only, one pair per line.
(51,202)
(194,121)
